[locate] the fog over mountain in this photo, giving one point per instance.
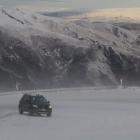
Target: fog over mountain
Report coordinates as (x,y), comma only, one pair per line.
(113,14)
(38,51)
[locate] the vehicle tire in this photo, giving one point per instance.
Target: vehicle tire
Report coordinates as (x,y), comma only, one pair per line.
(49,114)
(20,110)
(31,113)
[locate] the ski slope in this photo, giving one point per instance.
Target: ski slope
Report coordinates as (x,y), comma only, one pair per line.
(82,114)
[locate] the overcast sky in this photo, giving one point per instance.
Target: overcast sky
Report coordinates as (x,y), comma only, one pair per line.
(71,4)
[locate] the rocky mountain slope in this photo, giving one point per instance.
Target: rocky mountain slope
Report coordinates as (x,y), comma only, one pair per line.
(37,51)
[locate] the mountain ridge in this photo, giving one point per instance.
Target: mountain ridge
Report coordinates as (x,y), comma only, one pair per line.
(38,51)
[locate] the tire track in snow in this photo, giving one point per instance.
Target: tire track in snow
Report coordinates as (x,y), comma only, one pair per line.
(8,115)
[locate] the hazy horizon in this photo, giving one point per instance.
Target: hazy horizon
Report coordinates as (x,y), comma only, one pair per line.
(40,5)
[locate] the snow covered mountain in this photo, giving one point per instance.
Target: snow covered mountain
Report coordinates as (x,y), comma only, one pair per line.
(38,51)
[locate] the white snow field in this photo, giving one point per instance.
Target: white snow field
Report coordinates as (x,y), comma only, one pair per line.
(82,114)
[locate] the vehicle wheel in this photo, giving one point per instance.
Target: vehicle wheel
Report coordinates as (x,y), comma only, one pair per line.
(49,114)
(20,110)
(31,113)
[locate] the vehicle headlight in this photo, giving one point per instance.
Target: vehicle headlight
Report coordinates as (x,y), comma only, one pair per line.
(35,106)
(50,106)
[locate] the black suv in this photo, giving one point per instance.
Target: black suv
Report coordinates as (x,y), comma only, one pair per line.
(34,104)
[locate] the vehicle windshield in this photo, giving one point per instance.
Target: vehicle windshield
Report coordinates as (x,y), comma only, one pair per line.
(42,99)
(38,99)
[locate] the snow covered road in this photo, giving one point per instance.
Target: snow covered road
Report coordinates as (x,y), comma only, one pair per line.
(77,115)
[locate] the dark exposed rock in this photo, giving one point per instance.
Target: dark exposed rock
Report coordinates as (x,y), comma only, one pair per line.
(124,67)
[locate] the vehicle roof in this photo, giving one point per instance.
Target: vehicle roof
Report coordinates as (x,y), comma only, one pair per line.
(37,95)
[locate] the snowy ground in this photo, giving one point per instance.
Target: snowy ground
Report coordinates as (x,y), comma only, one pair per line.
(77,115)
